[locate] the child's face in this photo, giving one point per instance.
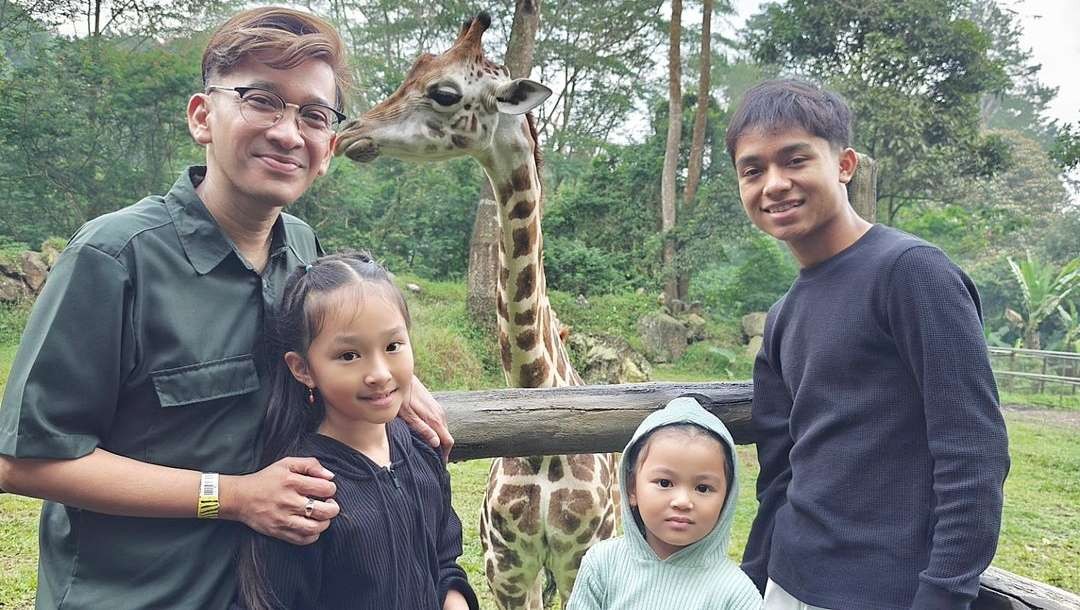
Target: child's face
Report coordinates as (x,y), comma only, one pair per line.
(679,490)
(792,184)
(361,362)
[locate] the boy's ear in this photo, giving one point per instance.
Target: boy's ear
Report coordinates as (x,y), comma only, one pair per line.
(299,368)
(849,162)
(198,118)
(520,96)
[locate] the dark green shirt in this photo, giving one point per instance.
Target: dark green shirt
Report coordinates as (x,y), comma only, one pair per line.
(146,342)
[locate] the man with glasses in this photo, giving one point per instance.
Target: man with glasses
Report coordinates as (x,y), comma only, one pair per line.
(134,402)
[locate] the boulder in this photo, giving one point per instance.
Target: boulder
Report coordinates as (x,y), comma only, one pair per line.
(754,346)
(695,328)
(753,324)
(603,359)
(664,337)
(50,254)
(413,288)
(11,289)
(34,270)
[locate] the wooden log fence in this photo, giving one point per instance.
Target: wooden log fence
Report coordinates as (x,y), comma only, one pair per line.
(600,419)
(1064,370)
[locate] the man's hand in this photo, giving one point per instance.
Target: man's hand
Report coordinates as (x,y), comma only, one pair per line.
(427,417)
(275,500)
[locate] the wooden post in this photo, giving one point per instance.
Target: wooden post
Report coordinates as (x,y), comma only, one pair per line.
(484,262)
(862,190)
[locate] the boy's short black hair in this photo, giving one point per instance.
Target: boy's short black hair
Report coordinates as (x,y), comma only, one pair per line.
(784,103)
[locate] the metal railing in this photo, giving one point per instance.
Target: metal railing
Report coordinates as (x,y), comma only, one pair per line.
(1036,368)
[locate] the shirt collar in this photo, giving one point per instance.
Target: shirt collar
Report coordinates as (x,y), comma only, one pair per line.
(204,243)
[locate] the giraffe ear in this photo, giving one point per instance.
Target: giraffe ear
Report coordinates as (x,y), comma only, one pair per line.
(520,96)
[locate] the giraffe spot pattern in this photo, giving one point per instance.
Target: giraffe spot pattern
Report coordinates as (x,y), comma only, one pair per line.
(526,339)
(504,349)
(566,508)
(526,283)
(526,318)
(522,504)
(582,467)
(524,239)
(522,209)
(555,470)
(534,373)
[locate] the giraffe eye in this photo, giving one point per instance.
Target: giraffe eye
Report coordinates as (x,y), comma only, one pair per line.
(444,97)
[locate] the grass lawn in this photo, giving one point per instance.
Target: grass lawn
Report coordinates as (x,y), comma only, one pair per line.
(1040,537)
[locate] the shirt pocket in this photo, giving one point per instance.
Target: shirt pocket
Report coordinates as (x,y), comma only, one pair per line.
(204,382)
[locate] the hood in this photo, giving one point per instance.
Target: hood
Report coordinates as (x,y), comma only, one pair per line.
(714,545)
(343,460)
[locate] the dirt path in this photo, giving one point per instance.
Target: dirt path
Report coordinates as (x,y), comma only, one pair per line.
(1063,418)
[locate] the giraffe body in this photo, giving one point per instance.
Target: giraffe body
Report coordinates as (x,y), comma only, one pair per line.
(540,513)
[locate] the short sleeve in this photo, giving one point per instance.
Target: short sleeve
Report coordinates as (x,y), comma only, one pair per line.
(76,349)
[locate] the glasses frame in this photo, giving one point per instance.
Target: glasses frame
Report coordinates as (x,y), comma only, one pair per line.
(242,91)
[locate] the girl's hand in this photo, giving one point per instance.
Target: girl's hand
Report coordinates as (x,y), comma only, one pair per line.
(427,417)
(455,601)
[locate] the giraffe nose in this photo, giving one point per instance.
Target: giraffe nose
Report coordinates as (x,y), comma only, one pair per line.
(361,150)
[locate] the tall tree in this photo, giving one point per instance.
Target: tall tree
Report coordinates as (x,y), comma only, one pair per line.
(914,72)
(671,152)
(697,139)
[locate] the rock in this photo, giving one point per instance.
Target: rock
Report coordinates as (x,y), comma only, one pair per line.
(696,308)
(50,254)
(11,266)
(607,359)
(413,288)
(753,324)
(754,346)
(676,306)
(34,270)
(664,337)
(640,290)
(582,301)
(695,328)
(11,289)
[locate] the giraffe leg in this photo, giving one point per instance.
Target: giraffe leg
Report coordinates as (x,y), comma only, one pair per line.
(512,535)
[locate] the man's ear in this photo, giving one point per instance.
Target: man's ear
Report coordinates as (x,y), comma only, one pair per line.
(198,118)
(299,368)
(849,162)
(520,96)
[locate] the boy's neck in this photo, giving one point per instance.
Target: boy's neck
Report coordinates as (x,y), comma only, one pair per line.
(247,223)
(370,439)
(830,239)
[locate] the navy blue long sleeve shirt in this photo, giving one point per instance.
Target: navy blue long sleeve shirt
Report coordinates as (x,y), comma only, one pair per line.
(882,447)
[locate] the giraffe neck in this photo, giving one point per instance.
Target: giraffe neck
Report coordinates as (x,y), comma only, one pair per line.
(533,355)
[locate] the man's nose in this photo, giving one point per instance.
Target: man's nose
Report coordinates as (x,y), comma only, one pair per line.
(776,182)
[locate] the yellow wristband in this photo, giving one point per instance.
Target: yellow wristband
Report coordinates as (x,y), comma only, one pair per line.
(208,496)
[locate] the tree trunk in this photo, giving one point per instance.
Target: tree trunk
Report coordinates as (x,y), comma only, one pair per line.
(671,153)
(483,246)
(697,141)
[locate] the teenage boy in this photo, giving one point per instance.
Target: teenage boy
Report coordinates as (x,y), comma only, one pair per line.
(882,446)
(134,402)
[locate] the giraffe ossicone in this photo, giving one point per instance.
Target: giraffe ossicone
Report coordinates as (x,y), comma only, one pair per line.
(540,513)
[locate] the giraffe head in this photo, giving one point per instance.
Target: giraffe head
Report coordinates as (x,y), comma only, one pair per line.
(449,105)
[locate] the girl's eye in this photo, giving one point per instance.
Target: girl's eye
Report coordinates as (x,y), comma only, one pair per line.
(444,97)
(395,346)
(664,483)
(704,489)
(349,356)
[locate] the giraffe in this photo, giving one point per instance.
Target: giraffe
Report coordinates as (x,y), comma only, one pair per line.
(540,513)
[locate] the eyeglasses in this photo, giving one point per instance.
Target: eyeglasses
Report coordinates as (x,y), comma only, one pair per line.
(263,109)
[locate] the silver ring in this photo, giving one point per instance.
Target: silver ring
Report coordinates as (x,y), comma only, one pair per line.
(308,507)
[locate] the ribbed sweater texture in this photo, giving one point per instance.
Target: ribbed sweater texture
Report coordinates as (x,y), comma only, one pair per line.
(881,442)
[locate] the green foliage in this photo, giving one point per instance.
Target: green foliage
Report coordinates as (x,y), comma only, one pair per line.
(760,272)
(1065,151)
(1043,288)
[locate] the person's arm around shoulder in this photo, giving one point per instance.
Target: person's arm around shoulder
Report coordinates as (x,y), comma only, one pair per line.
(589,586)
(770,414)
(427,418)
(61,399)
(934,313)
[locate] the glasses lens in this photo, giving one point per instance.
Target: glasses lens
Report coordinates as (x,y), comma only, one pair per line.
(261,108)
(317,121)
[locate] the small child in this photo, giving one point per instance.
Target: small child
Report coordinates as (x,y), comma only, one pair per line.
(344,370)
(678,501)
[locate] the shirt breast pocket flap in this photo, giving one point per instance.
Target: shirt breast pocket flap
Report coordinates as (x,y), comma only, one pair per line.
(206,381)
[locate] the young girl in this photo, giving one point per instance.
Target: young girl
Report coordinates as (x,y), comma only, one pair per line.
(343,367)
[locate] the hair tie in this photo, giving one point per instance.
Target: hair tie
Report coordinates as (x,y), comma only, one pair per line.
(307,267)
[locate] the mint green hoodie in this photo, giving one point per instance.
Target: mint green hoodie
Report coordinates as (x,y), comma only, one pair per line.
(624,573)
